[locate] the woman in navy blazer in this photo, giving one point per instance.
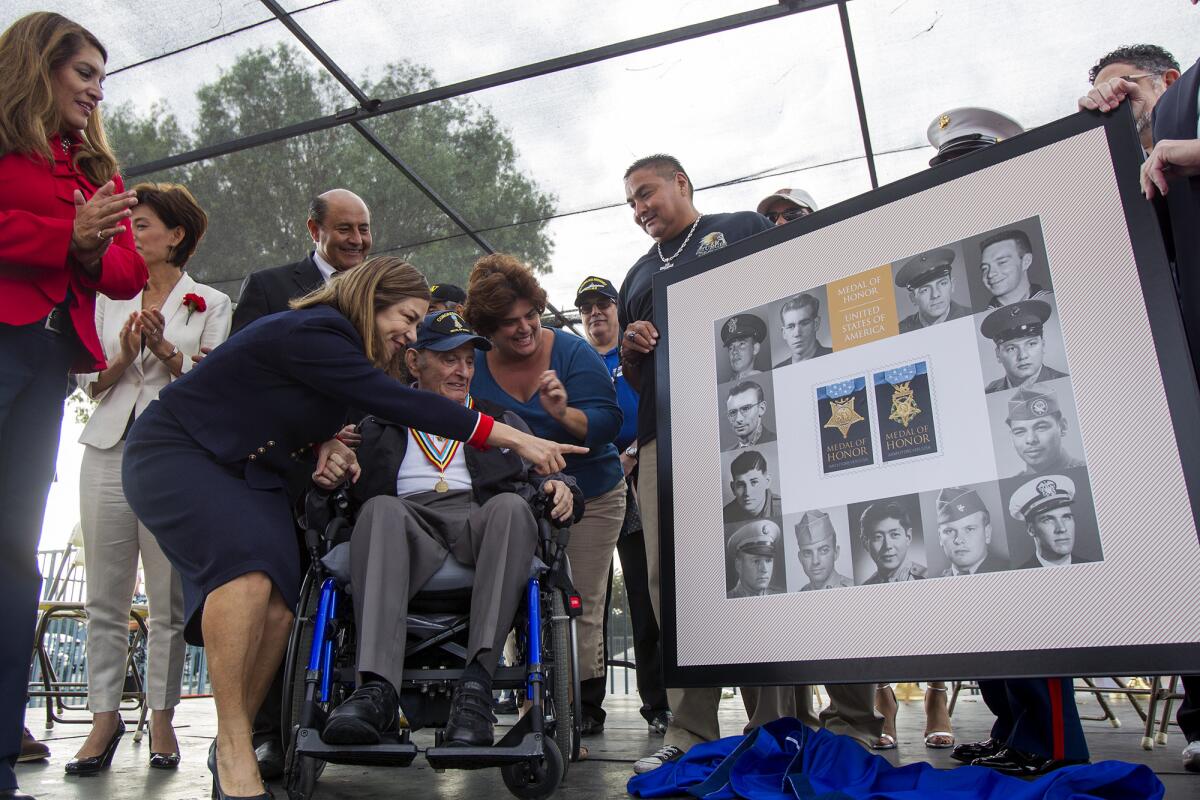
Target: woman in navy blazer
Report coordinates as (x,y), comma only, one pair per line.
(206,464)
(64,236)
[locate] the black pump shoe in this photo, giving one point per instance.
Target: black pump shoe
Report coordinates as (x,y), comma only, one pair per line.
(93,765)
(471,720)
(217,793)
(163,760)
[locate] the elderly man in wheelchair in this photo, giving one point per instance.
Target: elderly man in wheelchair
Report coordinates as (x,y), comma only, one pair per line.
(422,502)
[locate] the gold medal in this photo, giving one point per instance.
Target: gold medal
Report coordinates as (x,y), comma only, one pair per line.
(441,486)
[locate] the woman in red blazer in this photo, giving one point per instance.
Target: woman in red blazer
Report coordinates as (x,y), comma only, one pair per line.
(64,235)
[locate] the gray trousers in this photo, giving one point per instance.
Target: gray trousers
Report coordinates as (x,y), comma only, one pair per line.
(399,543)
(113,538)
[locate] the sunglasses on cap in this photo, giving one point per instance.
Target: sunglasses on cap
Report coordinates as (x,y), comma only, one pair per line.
(600,304)
(790,215)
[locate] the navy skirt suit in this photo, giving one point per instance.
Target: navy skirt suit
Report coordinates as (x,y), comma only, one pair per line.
(206,465)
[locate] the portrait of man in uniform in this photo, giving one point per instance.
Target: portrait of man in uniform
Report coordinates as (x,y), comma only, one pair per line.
(751,550)
(818,550)
(742,337)
(1038,430)
(1017,332)
(1004,262)
(1046,506)
(965,533)
(885,530)
(746,413)
(799,322)
(929,279)
(750,482)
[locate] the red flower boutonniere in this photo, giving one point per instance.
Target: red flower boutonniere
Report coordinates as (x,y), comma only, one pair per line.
(194,302)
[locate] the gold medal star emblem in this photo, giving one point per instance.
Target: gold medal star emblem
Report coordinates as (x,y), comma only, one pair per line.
(904,404)
(842,415)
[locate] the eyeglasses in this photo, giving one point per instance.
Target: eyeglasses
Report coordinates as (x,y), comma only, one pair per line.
(601,304)
(789,215)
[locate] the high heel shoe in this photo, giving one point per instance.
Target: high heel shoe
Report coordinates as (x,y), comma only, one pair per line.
(217,792)
(163,760)
(887,741)
(93,765)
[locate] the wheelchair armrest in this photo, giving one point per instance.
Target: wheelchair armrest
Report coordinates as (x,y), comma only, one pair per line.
(325,514)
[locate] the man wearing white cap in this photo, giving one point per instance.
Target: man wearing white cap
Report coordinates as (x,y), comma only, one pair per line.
(752,551)
(1045,506)
(787,205)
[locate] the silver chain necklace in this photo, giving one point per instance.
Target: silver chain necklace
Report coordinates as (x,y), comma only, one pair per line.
(668,262)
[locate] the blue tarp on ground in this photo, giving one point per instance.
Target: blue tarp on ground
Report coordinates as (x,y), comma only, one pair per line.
(784,760)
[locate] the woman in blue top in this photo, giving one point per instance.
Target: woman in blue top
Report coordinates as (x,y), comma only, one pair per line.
(559,385)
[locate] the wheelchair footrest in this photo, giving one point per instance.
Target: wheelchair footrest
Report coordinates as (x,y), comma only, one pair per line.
(392,750)
(528,748)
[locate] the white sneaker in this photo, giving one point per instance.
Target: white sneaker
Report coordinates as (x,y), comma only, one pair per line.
(1191,756)
(661,756)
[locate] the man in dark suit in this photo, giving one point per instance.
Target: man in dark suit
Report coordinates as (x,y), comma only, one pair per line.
(340,225)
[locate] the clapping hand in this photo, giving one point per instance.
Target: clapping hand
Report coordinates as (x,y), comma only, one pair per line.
(131,339)
(98,220)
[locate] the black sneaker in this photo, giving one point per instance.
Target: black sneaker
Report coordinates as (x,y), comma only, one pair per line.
(372,710)
(659,723)
(471,720)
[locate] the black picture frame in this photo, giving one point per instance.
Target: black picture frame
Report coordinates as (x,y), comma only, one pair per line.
(1179,381)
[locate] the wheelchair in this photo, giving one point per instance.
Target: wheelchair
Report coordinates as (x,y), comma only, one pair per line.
(319,673)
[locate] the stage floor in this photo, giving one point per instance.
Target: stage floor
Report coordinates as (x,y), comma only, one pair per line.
(603,775)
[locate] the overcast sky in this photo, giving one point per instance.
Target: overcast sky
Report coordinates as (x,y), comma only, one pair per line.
(770,98)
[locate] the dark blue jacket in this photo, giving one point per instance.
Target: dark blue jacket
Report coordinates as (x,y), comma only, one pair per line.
(286,383)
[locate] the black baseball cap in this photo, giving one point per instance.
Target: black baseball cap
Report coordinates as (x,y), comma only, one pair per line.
(448,292)
(446,330)
(594,285)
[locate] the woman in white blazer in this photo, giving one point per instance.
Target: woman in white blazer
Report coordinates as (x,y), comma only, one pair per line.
(148,342)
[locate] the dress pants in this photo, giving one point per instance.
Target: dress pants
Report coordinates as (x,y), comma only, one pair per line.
(399,543)
(112,540)
(590,550)
(1188,715)
(1036,715)
(34,363)
(851,709)
(694,710)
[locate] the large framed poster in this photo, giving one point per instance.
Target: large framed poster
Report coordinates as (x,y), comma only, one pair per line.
(946,429)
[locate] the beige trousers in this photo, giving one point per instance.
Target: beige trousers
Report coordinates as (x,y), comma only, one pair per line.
(113,538)
(851,709)
(590,549)
(694,711)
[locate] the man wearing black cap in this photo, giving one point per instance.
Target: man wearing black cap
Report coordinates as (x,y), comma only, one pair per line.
(964,532)
(930,284)
(660,195)
(446,297)
(743,335)
(596,299)
(1038,428)
(1020,346)
(424,499)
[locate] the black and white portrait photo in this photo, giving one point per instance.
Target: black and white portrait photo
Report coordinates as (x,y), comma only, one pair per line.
(747,408)
(1020,344)
(888,541)
(741,346)
(1008,265)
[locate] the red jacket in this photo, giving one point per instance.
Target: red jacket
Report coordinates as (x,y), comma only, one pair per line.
(37,216)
